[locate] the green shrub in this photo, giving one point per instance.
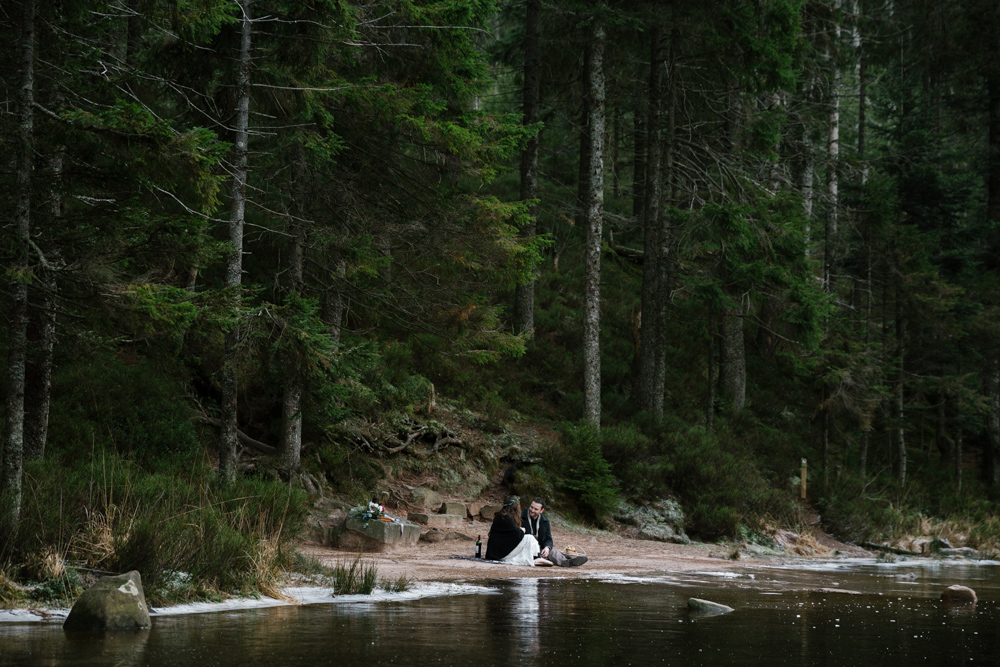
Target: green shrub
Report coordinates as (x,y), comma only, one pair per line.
(533,482)
(721,485)
(64,589)
(864,510)
(588,475)
(129,405)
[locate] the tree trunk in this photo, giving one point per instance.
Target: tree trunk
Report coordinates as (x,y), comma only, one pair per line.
(333,299)
(234,265)
(710,399)
(38,384)
(586,144)
(616,141)
(993,261)
(524,295)
(595,212)
(958,456)
(941,439)
(638,163)
(993,417)
(863,463)
(733,374)
(290,452)
(833,157)
(806,188)
(38,388)
(898,392)
(12,471)
(826,442)
(651,395)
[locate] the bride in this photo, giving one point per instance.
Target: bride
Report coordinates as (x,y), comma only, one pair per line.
(508,542)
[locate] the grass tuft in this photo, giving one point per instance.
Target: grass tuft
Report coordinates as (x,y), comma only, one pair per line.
(400,584)
(358,578)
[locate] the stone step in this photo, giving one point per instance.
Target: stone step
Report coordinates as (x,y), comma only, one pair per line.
(453,508)
(436,520)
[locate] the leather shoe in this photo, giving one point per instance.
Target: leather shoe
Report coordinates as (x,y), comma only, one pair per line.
(574,561)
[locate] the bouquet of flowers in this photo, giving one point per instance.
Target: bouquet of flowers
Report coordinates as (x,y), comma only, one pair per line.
(373,512)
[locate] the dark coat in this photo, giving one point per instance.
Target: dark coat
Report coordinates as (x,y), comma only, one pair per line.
(540,529)
(504,537)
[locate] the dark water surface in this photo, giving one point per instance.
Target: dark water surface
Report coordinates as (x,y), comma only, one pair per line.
(779,620)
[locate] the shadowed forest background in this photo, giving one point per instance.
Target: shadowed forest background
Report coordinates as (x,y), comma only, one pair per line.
(256,251)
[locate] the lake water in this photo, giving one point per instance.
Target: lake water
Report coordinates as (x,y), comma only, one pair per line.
(779,620)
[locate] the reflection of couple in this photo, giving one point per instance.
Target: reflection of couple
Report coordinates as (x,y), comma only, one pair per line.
(524,538)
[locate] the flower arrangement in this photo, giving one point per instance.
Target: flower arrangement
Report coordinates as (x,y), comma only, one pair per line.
(373,512)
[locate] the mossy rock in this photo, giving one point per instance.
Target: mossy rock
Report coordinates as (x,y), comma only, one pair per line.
(113,603)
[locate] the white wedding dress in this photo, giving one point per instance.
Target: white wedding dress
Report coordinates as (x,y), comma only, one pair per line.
(524,553)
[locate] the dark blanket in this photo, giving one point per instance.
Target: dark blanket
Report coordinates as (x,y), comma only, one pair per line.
(479,560)
(504,537)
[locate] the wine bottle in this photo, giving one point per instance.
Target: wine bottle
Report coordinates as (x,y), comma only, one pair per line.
(479,546)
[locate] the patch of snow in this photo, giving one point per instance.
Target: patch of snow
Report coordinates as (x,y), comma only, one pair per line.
(298,594)
(33,615)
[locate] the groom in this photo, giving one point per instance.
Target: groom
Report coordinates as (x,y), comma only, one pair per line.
(535,524)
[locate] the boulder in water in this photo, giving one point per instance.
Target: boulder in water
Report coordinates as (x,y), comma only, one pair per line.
(708,607)
(113,603)
(957,596)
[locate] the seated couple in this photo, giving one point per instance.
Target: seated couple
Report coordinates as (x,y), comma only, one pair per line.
(524,538)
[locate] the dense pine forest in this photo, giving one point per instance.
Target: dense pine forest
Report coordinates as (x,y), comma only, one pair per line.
(256,251)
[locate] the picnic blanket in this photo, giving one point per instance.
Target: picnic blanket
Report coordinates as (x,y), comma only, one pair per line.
(480,560)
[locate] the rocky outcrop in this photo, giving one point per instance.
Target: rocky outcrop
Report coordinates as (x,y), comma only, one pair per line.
(958,596)
(113,603)
(487,512)
(473,508)
(425,498)
(396,533)
(661,521)
(326,521)
(707,607)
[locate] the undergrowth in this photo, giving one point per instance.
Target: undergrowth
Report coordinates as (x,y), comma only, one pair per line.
(115,515)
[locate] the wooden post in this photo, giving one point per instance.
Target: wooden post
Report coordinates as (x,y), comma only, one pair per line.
(802,484)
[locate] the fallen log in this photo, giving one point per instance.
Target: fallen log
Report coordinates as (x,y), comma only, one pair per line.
(256,445)
(892,550)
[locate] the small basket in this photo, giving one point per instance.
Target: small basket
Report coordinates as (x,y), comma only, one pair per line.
(571,551)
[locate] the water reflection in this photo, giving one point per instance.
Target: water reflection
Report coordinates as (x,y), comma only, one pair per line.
(780,619)
(525,611)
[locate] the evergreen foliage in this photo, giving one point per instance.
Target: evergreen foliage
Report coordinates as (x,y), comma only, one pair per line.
(808,235)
